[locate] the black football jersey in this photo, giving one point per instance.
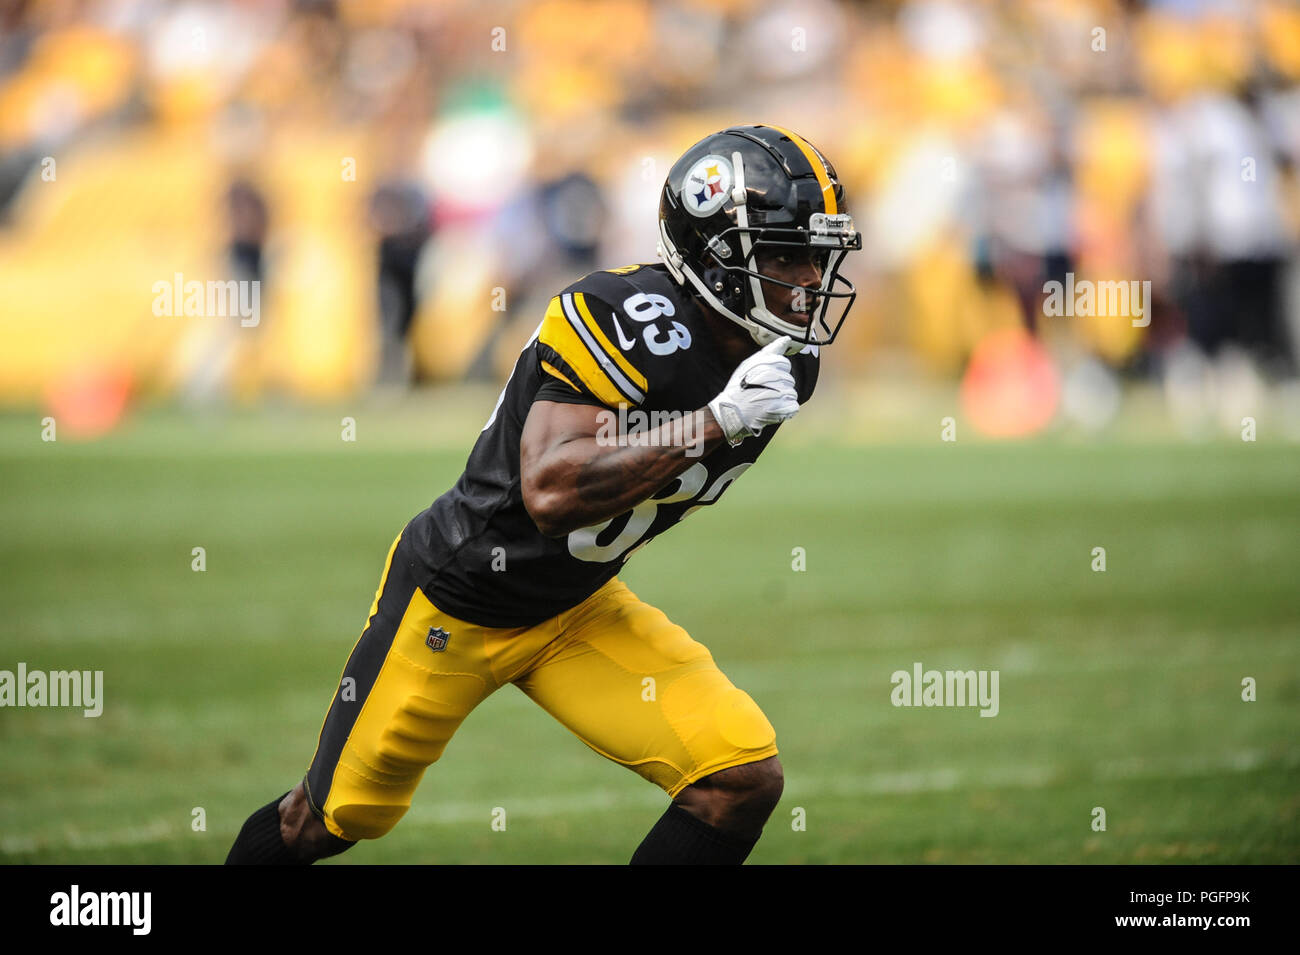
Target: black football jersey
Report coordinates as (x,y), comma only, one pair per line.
(631,340)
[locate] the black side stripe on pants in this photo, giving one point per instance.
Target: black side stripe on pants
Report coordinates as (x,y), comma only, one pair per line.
(363,666)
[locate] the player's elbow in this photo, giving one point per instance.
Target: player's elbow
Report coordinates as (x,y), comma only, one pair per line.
(549,523)
(548,509)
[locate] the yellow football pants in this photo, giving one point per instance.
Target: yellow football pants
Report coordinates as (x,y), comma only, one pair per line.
(617,672)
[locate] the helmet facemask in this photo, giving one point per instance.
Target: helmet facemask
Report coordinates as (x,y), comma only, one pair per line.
(754,302)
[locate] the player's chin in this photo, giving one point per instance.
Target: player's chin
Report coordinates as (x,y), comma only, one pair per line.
(800,320)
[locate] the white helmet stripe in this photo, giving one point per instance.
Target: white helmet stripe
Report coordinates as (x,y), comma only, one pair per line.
(746,243)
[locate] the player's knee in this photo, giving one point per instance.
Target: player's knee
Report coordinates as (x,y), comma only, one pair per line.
(303,831)
(759,786)
(740,798)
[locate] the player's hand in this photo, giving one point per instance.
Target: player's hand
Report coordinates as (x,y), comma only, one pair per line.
(761,392)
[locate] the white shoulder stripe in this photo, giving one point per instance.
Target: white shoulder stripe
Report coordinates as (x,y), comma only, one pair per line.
(620,380)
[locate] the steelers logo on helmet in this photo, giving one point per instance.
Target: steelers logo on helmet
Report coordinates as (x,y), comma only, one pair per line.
(707,185)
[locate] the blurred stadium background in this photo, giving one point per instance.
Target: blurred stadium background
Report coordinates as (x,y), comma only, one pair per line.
(409,182)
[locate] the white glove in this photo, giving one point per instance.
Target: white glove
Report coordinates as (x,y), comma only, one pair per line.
(761,392)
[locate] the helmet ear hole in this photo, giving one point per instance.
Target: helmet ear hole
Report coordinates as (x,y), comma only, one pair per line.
(724,285)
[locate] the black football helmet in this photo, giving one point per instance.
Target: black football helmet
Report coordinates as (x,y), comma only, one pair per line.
(750,188)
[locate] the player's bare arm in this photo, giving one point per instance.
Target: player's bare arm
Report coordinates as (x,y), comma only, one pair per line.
(571,479)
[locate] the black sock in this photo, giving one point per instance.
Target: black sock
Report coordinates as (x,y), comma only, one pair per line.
(678,838)
(260,842)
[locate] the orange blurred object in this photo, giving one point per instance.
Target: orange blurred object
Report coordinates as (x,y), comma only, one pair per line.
(89,401)
(1011,387)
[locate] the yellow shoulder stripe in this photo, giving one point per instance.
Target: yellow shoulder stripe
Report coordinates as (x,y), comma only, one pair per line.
(558,334)
(551,369)
(818,166)
(616,353)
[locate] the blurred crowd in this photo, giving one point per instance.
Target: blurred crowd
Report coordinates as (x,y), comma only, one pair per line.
(411,181)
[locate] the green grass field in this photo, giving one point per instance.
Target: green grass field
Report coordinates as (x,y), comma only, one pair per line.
(1119,689)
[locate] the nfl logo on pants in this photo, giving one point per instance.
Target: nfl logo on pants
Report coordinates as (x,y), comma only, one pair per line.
(437,639)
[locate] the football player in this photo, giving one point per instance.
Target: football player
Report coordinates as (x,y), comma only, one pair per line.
(512,575)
